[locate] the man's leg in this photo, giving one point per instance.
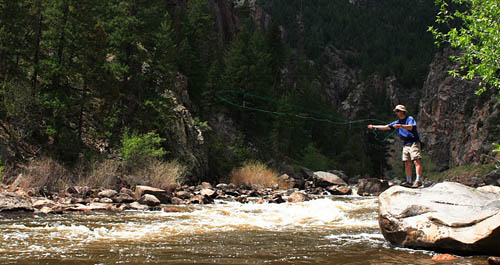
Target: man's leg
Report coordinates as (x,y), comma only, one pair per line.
(409,171)
(418,169)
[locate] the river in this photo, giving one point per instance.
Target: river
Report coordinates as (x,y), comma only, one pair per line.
(333,230)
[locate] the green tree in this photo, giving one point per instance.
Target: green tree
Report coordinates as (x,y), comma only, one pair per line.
(477,36)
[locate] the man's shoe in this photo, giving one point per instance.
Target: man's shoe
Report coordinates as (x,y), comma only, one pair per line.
(416,184)
(406,184)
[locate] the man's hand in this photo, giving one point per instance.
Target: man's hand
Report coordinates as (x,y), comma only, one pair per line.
(370,127)
(397,126)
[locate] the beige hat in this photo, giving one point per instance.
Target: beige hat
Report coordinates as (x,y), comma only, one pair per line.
(400,108)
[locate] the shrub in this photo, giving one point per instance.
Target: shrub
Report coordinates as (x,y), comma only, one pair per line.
(314,159)
(44,174)
(163,175)
(140,148)
(254,173)
(104,174)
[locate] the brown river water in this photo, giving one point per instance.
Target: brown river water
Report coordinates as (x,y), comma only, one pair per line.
(333,230)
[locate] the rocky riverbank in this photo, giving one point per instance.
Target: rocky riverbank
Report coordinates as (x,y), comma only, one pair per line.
(86,199)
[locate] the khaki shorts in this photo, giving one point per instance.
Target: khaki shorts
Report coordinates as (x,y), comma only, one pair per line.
(411,152)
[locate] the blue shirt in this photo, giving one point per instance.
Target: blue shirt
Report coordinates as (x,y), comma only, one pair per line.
(408,136)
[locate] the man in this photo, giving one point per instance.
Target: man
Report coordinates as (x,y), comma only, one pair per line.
(406,128)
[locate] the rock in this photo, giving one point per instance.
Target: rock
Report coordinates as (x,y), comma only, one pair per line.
(208,192)
(123,198)
(372,186)
(326,179)
(99,206)
(308,174)
(171,209)
(107,193)
(447,216)
(183,194)
(277,198)
(79,191)
(200,199)
(298,196)
(493,261)
(340,174)
(490,188)
(442,257)
(455,124)
(138,206)
(105,200)
(11,202)
(177,201)
(339,190)
(493,178)
(46,210)
(149,200)
(39,204)
(206,185)
(286,182)
(128,192)
(160,194)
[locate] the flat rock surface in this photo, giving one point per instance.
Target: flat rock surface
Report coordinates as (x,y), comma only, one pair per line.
(447,216)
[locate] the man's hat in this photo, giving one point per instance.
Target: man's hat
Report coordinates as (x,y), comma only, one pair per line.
(400,108)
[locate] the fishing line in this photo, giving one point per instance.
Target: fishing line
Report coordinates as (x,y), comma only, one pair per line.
(221,95)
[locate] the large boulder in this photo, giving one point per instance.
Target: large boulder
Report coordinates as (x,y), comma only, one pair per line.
(372,186)
(12,202)
(447,216)
(327,179)
(160,194)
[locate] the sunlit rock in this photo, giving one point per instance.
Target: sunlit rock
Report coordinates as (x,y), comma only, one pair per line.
(447,216)
(107,193)
(372,186)
(149,200)
(298,196)
(11,202)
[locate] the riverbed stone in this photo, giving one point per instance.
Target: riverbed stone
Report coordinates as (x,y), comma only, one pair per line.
(160,194)
(372,186)
(206,185)
(43,202)
(107,193)
(149,200)
(123,198)
(298,196)
(489,188)
(177,201)
(208,192)
(339,189)
(327,179)
(138,206)
(12,202)
(447,216)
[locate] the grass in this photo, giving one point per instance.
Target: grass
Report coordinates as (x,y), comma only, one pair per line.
(462,173)
(163,175)
(44,174)
(254,173)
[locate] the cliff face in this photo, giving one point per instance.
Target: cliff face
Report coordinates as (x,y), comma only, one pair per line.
(457,126)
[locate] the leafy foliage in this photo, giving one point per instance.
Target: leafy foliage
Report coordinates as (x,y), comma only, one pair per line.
(140,148)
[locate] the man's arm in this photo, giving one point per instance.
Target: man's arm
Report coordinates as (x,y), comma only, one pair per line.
(380,127)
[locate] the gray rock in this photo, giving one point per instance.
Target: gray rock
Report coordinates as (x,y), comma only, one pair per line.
(447,216)
(372,186)
(138,206)
(177,201)
(107,193)
(160,194)
(149,200)
(298,196)
(208,192)
(326,179)
(183,194)
(11,202)
(206,185)
(339,190)
(123,198)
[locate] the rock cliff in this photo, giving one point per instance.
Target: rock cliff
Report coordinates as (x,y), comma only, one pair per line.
(457,126)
